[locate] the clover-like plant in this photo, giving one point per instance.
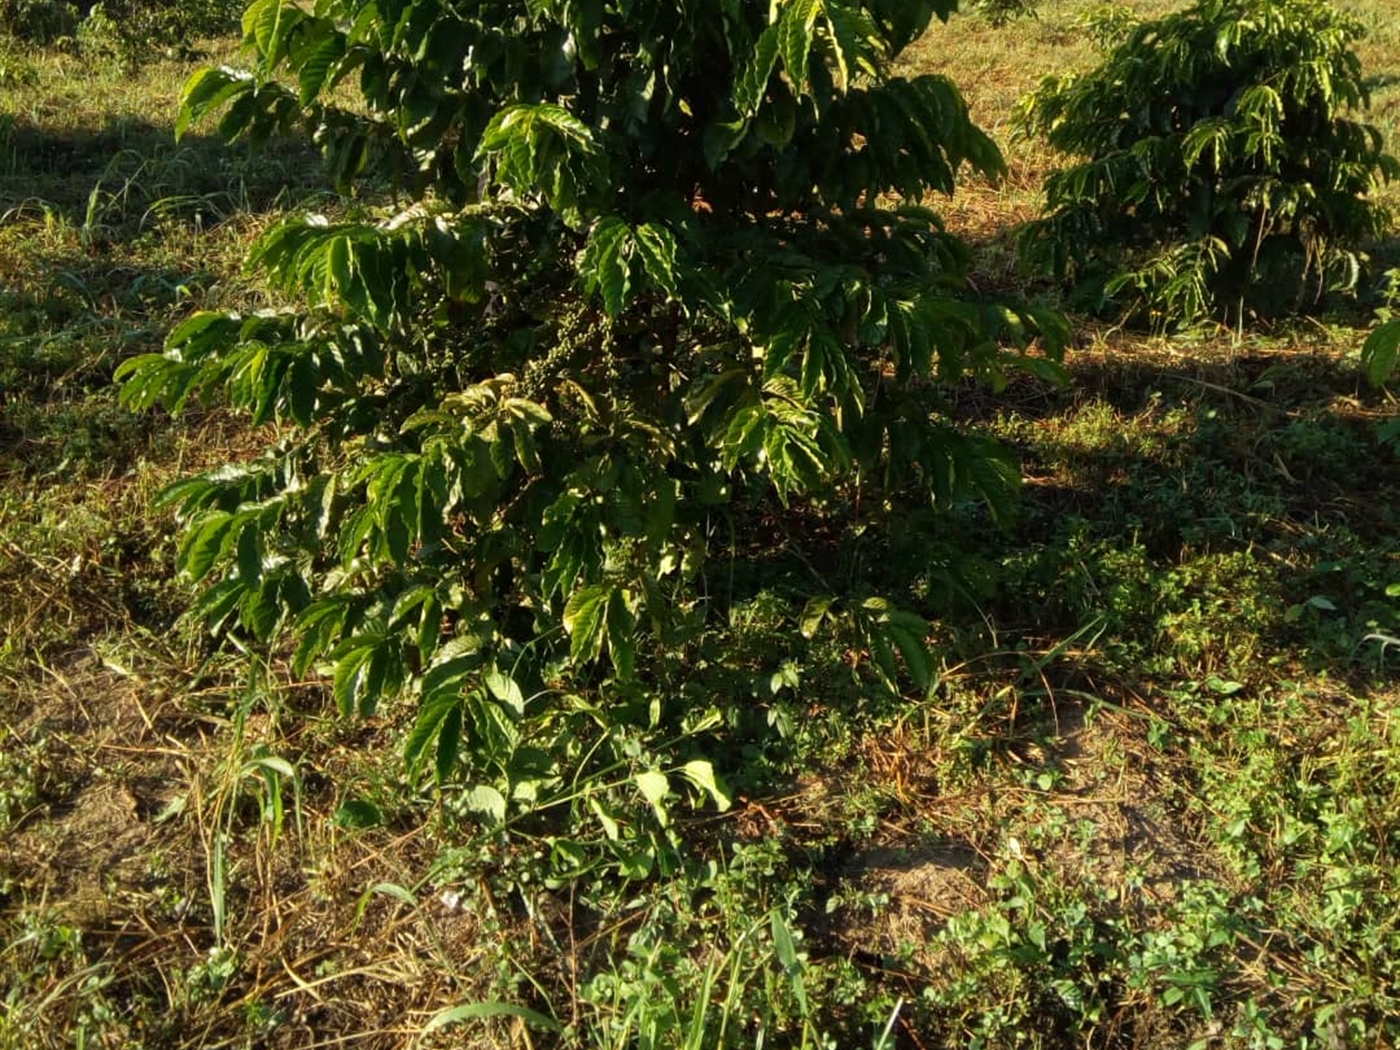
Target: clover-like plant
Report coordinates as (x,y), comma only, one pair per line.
(1221,166)
(619,275)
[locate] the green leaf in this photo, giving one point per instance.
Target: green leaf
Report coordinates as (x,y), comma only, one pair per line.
(852,36)
(348,682)
(316,66)
(797,31)
(621,631)
(204,92)
(269,24)
(721,138)
(785,947)
(814,613)
(395,891)
(1224,687)
(202,544)
(915,651)
(187,495)
(486,801)
(585,617)
(215,605)
(656,247)
(504,689)
(320,626)
(540,150)
(483,1010)
(702,774)
(364,672)
(250,556)
(358,813)
(634,862)
(654,786)
(272,763)
(748,91)
(611,828)
(430,727)
(302,381)
(449,743)
(1381,351)
(603,266)
(882,652)
(260,609)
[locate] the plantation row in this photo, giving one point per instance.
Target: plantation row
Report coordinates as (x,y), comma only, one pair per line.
(632,293)
(636,454)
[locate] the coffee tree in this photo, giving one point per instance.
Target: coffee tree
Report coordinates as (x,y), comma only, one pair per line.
(610,279)
(1224,167)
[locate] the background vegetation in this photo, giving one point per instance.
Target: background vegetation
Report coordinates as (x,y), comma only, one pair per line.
(1149,797)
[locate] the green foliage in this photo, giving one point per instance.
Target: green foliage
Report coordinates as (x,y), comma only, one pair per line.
(1157,765)
(1108,25)
(136,30)
(38,21)
(659,995)
(1049,947)
(646,283)
(1381,351)
(133,30)
(1000,12)
(1225,170)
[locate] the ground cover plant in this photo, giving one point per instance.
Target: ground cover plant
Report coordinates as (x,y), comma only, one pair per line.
(1147,798)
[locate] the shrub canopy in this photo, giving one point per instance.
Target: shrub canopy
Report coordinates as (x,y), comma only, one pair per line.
(648,264)
(1223,166)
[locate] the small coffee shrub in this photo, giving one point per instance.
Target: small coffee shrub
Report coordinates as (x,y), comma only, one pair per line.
(1224,170)
(1001,12)
(645,271)
(38,21)
(137,30)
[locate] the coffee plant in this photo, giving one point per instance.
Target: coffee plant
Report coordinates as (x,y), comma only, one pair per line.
(133,29)
(612,284)
(1001,12)
(38,21)
(138,30)
(1224,169)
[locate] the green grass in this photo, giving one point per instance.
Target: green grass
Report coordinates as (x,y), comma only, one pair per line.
(1151,801)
